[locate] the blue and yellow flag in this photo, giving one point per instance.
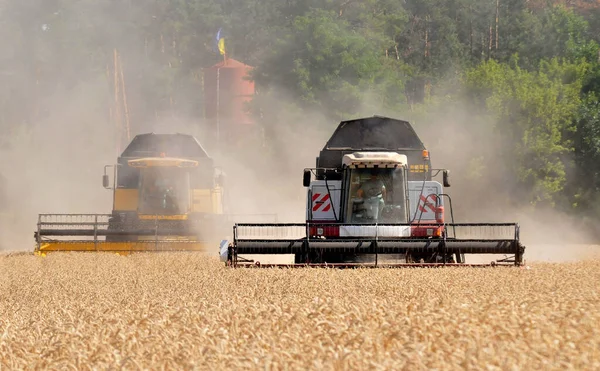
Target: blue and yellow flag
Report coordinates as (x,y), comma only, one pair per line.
(220,42)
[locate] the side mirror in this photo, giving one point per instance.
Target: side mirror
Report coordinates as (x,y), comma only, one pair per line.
(105,181)
(306,178)
(446,175)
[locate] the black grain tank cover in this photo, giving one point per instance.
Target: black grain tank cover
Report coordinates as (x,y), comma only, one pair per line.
(171,145)
(370,134)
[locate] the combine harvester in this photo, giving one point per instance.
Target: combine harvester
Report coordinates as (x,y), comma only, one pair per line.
(373,198)
(167,196)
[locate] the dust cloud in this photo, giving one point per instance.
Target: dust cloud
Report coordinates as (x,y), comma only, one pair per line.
(55,165)
(263,173)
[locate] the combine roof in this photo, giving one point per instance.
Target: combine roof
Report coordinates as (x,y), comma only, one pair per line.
(370,134)
(171,145)
(374,133)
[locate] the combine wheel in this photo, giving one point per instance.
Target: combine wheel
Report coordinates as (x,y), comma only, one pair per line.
(114,222)
(300,259)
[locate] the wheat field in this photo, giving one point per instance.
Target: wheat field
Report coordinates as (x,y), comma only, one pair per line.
(187,311)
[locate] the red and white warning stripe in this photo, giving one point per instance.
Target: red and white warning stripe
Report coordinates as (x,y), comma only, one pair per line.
(322,203)
(426,204)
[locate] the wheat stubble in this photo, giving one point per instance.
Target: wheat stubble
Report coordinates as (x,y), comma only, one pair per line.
(83,311)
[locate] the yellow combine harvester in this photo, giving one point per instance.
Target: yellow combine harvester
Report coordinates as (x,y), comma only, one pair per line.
(167,196)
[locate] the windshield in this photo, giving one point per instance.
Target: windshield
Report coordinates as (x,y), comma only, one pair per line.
(377,196)
(164,191)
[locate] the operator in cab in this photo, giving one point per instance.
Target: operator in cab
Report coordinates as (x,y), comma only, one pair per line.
(170,199)
(373,189)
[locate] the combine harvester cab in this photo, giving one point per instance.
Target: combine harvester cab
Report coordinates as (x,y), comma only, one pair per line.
(167,196)
(374,202)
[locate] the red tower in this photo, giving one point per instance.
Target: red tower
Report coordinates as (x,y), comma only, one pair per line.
(226,95)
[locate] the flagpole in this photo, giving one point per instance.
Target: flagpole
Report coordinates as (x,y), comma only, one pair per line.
(117,102)
(218,111)
(221,47)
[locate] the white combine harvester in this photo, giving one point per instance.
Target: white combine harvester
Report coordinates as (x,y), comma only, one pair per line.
(374,202)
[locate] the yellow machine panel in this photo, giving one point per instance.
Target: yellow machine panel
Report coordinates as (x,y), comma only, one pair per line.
(121,248)
(207,201)
(126,199)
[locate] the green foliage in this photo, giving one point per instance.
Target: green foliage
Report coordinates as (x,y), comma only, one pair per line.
(331,66)
(533,111)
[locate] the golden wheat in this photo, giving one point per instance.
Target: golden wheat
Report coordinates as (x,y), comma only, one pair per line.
(76,311)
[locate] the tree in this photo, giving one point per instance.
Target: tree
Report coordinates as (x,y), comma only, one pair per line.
(533,112)
(324,63)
